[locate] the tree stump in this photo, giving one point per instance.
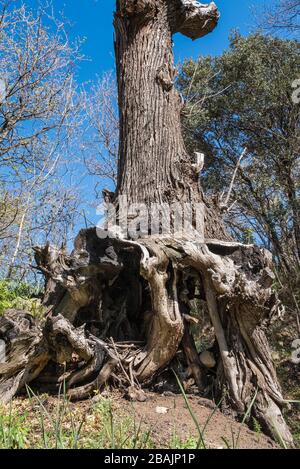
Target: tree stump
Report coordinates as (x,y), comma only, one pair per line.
(120,307)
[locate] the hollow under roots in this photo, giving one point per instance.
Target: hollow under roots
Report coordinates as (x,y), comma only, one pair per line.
(121,310)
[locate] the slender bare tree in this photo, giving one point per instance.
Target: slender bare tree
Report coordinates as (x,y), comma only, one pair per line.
(38,113)
(283,15)
(101,130)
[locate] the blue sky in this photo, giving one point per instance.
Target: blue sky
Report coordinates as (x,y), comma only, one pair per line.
(92,19)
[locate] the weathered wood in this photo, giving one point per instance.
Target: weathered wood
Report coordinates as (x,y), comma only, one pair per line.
(30,346)
(239,297)
(192,357)
(26,353)
(89,390)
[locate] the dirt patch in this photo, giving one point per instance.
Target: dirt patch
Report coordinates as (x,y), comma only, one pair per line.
(220,430)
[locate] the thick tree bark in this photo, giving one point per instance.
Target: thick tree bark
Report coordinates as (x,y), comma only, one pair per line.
(153,163)
(154,166)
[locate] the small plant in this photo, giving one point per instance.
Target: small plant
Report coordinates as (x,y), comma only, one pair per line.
(22,296)
(13,429)
(178,443)
(235,441)
(120,433)
(6,296)
(97,426)
(201,432)
(256,426)
(61,429)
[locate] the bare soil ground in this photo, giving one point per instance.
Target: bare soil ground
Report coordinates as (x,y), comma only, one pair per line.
(166,419)
(220,430)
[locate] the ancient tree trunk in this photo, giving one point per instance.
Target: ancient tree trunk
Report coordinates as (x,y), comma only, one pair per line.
(119,309)
(154,166)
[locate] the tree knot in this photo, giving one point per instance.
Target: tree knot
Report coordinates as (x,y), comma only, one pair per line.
(195,19)
(165,77)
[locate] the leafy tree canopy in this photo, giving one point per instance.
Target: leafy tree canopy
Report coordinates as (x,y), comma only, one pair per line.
(244,99)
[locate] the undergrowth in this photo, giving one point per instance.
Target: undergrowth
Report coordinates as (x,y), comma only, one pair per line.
(20,296)
(44,422)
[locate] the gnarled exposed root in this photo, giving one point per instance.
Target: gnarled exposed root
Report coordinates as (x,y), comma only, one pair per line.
(26,353)
(115,290)
(166,329)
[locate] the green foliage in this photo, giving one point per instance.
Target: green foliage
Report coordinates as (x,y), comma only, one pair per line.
(178,443)
(247,235)
(124,433)
(243,98)
(256,426)
(60,429)
(20,296)
(13,429)
(56,423)
(62,425)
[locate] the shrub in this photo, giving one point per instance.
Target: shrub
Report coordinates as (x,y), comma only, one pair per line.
(21,296)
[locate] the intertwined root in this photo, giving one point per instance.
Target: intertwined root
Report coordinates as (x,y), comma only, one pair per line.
(118,309)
